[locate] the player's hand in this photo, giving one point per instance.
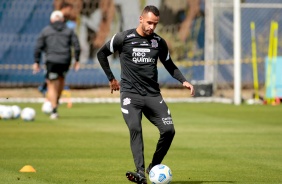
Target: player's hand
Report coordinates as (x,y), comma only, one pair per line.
(114,85)
(189,86)
(35,68)
(76,66)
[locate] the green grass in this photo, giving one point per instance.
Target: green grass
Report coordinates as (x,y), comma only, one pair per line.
(214,143)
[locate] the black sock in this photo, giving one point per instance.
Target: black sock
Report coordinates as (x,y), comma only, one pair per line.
(54,110)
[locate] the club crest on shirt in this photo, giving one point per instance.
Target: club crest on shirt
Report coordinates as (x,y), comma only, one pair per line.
(154,43)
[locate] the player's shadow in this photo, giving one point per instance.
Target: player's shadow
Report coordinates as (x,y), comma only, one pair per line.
(200,182)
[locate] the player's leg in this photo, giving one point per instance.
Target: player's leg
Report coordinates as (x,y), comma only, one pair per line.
(131,107)
(61,87)
(62,75)
(53,95)
(53,87)
(158,113)
(43,87)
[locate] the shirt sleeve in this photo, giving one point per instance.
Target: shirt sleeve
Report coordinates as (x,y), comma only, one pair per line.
(109,48)
(76,46)
(168,63)
(39,47)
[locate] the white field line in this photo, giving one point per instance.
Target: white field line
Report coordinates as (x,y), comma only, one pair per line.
(117,100)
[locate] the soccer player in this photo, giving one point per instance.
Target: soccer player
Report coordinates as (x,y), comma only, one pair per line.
(66,9)
(139,50)
(56,40)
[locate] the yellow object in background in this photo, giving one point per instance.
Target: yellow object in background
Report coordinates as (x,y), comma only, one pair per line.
(27,168)
(254,60)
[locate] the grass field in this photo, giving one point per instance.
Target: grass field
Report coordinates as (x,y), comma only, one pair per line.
(214,143)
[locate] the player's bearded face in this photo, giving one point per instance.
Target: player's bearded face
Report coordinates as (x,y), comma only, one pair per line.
(149,22)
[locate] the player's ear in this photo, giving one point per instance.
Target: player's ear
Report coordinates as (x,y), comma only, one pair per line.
(140,19)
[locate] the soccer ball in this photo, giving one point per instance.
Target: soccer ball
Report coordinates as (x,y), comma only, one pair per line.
(46,107)
(160,174)
(16,111)
(6,112)
(2,108)
(28,114)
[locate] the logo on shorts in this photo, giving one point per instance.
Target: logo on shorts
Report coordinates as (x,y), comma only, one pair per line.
(167,121)
(126,101)
(52,76)
(168,111)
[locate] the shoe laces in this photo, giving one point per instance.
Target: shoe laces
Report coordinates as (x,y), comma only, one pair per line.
(141,173)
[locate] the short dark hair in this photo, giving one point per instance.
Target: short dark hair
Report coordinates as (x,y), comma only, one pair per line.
(65,5)
(151,8)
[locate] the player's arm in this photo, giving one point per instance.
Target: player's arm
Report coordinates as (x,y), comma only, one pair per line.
(39,47)
(172,68)
(109,48)
(76,46)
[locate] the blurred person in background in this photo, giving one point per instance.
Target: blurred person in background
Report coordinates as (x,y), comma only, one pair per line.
(94,27)
(139,50)
(66,9)
(56,41)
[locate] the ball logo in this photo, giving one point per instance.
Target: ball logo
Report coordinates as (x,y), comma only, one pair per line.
(169,172)
(162,177)
(152,174)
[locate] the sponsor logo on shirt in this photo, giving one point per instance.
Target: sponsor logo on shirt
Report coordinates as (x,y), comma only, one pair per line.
(130,35)
(139,56)
(141,50)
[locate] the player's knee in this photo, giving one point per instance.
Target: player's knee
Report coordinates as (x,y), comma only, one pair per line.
(135,133)
(169,132)
(135,129)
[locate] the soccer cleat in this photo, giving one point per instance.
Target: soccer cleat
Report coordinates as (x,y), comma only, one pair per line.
(54,116)
(136,177)
(149,168)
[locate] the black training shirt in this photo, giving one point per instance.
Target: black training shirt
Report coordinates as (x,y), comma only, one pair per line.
(138,60)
